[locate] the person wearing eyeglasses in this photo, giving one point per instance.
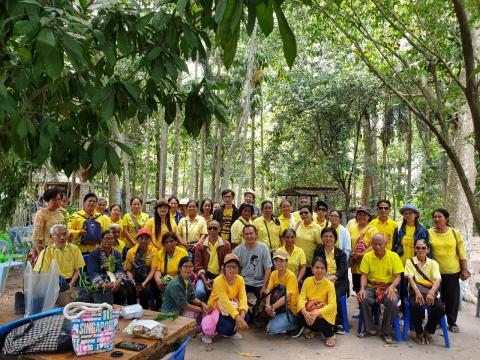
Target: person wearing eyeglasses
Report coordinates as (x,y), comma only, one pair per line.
(322,210)
(308,235)
(424,280)
(383,223)
(209,256)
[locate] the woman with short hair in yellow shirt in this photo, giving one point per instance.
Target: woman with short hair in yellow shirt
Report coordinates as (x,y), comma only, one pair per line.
(308,235)
(297,262)
(448,250)
(246,211)
(287,219)
(167,259)
(228,302)
(133,221)
(191,228)
(161,223)
(268,227)
(317,304)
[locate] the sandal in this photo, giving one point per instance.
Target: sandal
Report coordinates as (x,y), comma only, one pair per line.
(330,342)
(365,334)
(454,329)
(388,339)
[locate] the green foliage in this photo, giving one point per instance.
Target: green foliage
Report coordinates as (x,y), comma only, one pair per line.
(69,69)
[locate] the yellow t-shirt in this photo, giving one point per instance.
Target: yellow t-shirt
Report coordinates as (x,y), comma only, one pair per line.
(237,230)
(323,225)
(407,242)
(387,229)
(172,262)
(323,292)
(354,235)
(447,251)
(223,294)
(129,226)
(157,240)
(308,237)
(350,223)
(196,228)
(69,258)
(289,282)
(273,230)
(148,257)
(120,246)
(431,269)
(213,266)
(381,270)
(75,225)
(295,259)
(286,222)
(331,263)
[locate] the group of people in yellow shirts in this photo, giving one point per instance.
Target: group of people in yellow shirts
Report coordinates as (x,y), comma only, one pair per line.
(297,263)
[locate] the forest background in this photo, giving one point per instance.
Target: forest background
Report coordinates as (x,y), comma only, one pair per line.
(377,98)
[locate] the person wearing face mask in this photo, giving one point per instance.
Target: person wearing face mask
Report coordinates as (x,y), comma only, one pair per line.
(68,257)
(45,218)
(88,240)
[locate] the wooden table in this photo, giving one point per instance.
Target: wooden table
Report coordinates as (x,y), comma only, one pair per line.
(177,331)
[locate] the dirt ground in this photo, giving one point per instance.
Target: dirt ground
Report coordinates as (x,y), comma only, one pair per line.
(256,344)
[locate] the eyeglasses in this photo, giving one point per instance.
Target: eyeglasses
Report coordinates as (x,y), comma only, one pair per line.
(420,247)
(212,228)
(321,209)
(304,212)
(383,208)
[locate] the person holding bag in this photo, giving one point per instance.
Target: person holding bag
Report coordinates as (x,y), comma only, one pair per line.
(424,280)
(448,249)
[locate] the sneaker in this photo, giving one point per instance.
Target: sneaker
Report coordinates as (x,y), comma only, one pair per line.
(356,315)
(340,330)
(236,336)
(298,333)
(206,339)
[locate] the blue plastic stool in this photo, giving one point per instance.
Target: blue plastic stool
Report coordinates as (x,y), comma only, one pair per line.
(376,316)
(408,323)
(343,304)
(179,354)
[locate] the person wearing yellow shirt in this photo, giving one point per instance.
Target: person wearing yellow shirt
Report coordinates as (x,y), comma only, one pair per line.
(118,244)
(381,269)
(175,214)
(281,309)
(361,232)
(297,262)
(68,257)
(192,228)
(321,210)
(161,223)
(227,214)
(448,249)
(268,227)
(246,211)
(304,201)
(76,223)
(317,304)
(287,219)
(228,302)
(206,209)
(209,257)
(308,235)
(133,221)
(140,268)
(383,223)
(337,271)
(424,280)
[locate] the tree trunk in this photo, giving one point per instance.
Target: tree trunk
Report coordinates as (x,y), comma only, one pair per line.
(201,165)
(113,179)
(163,156)
(146,179)
(218,162)
(213,183)
(262,190)
(193,165)
(408,140)
(126,175)
(176,152)
(247,91)
(252,156)
(243,158)
(158,151)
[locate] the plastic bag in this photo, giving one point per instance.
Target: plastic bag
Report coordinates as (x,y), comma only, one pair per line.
(149,329)
(41,289)
(132,312)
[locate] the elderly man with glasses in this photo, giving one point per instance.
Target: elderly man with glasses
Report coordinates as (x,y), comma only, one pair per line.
(209,257)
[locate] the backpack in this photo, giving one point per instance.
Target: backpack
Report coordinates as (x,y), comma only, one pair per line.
(276,294)
(93,229)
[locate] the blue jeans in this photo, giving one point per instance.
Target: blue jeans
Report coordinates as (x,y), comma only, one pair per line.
(280,324)
(201,291)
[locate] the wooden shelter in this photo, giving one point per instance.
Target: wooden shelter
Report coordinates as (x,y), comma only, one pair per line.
(322,192)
